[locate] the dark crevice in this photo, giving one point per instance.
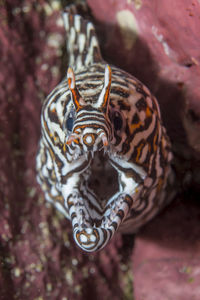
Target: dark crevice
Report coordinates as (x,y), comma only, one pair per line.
(193,115)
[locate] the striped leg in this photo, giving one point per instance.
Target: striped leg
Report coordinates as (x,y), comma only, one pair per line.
(89,236)
(94,226)
(82,44)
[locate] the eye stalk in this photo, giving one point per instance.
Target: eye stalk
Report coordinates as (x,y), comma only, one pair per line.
(103,100)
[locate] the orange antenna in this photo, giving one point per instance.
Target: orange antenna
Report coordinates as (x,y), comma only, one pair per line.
(76,97)
(103,100)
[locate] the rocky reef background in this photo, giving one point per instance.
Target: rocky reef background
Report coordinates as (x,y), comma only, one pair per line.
(158,42)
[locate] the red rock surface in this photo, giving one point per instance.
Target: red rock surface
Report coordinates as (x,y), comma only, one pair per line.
(166,255)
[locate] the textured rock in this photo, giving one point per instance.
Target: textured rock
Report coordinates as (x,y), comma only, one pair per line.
(166,257)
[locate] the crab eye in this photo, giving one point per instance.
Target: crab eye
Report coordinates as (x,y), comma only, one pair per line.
(117,120)
(70,121)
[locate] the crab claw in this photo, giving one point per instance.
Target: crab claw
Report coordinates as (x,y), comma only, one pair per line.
(91,239)
(104,140)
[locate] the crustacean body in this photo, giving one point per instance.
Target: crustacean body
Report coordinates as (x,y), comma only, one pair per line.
(99,112)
